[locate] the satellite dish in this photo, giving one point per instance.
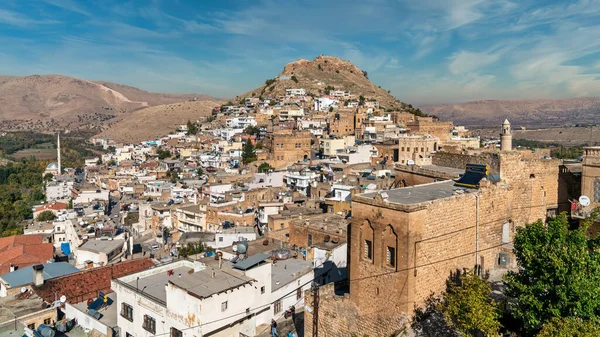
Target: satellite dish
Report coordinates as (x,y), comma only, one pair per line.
(63,299)
(23,290)
(410,162)
(584,201)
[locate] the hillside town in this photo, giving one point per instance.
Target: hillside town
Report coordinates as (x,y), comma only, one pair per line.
(309,213)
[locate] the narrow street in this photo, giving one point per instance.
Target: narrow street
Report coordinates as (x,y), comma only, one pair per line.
(285,326)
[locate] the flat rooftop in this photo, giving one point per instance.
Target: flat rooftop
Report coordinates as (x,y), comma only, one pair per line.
(11,306)
(109,313)
(285,271)
(102,246)
(204,285)
(190,208)
(154,285)
(444,169)
(257,246)
(415,195)
(326,222)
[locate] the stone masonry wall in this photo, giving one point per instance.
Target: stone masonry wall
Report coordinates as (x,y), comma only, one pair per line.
(340,317)
(460,161)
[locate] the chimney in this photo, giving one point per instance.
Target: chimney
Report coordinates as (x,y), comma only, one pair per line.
(38,275)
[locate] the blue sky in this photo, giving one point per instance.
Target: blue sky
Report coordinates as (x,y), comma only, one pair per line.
(425,51)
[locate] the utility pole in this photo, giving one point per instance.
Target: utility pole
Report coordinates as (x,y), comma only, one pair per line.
(315,291)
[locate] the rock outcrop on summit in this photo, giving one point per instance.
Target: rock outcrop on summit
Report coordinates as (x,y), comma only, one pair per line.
(322,74)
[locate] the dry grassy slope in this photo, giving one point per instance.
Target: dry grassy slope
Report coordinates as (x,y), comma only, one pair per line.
(531,113)
(153,98)
(321,72)
(48,102)
(57,97)
(157,121)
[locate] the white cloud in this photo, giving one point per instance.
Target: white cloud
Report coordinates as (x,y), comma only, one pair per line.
(393,63)
(466,62)
(20,20)
(68,5)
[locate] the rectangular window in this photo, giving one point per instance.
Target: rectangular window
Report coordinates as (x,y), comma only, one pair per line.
(298,294)
(277,307)
(262,289)
(48,321)
(176,333)
(597,190)
(220,239)
(369,249)
(149,324)
(403,149)
(127,312)
(391,256)
(224,306)
(506,233)
(422,150)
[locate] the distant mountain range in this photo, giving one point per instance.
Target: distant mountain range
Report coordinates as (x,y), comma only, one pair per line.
(529,113)
(56,102)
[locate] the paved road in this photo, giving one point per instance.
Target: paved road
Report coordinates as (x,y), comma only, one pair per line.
(115,208)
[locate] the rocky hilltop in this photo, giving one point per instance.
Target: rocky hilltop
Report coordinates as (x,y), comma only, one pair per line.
(50,102)
(530,113)
(318,75)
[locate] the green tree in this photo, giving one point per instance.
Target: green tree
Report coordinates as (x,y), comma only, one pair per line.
(248,153)
(99,162)
(173,175)
(48,176)
(252,130)
(294,79)
(163,154)
(570,327)
(361,98)
(46,216)
(264,167)
(23,209)
(558,275)
(468,307)
(330,109)
(200,172)
(192,129)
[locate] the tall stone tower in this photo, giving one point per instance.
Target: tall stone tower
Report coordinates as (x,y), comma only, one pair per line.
(58,153)
(506,137)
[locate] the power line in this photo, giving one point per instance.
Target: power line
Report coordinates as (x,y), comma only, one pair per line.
(293,292)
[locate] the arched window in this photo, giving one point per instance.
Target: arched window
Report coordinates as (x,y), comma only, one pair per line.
(367,240)
(390,243)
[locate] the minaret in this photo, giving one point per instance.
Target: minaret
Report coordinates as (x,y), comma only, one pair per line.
(58,153)
(505,137)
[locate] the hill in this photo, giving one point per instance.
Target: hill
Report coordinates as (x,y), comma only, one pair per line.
(153,98)
(530,113)
(322,72)
(157,121)
(51,102)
